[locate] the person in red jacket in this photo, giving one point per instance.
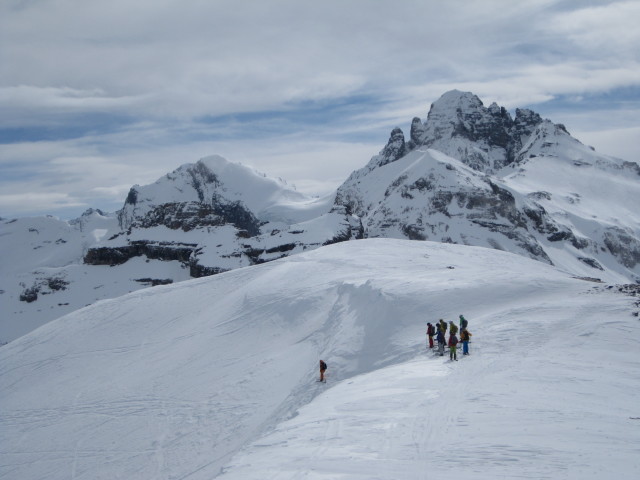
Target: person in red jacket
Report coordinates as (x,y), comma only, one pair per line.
(323,367)
(453,347)
(431,331)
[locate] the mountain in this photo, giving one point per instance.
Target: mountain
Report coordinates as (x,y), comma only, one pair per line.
(216,216)
(469,175)
(486,139)
(216,377)
(202,219)
(475,176)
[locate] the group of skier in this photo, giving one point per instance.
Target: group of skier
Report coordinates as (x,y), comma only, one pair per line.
(439,330)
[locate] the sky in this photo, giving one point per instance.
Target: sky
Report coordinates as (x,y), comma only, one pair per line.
(98,96)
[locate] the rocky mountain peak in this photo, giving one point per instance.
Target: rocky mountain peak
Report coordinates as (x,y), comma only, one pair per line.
(455,101)
(458,124)
(424,193)
(395,147)
(417,133)
(192,195)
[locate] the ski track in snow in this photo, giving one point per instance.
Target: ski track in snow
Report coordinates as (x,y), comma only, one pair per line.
(219,374)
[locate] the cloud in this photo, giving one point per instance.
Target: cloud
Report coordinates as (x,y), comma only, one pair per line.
(69,181)
(609,29)
(30,203)
(615,142)
(105,94)
(165,58)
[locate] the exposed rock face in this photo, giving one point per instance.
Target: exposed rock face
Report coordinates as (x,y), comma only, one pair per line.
(623,245)
(394,149)
(43,286)
(166,251)
(417,133)
(486,139)
(189,197)
(189,215)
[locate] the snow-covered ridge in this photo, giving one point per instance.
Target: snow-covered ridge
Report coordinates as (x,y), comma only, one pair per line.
(216,377)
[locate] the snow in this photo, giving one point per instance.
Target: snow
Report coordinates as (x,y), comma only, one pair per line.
(580,182)
(216,377)
(44,248)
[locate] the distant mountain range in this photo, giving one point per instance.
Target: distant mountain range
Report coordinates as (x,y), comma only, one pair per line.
(468,175)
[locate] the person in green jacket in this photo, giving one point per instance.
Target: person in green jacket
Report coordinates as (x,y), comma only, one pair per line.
(463,323)
(453,328)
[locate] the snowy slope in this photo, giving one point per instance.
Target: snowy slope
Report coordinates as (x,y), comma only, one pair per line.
(44,277)
(578,182)
(184,380)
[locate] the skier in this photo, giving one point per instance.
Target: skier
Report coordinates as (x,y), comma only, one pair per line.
(440,339)
(430,332)
(463,323)
(443,324)
(453,328)
(323,367)
(453,347)
(464,338)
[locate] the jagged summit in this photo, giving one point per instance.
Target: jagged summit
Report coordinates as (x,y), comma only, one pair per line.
(455,101)
(458,124)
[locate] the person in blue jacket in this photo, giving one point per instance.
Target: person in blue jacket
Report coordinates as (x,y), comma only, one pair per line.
(464,338)
(441,340)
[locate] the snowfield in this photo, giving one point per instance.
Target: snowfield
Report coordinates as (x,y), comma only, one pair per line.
(216,377)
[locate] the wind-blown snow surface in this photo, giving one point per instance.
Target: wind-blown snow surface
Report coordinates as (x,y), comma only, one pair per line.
(219,374)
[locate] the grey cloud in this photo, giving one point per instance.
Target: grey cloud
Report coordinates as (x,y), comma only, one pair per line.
(156,68)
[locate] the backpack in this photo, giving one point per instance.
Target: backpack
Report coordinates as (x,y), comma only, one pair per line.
(323,366)
(453,341)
